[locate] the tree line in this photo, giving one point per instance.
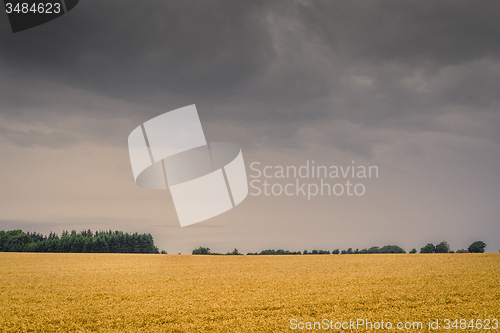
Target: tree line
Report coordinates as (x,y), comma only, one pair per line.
(85,241)
(373,249)
(443,247)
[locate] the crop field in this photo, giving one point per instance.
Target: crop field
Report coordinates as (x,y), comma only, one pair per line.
(181,293)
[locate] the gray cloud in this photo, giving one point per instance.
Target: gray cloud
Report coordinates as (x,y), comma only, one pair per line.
(230,52)
(411,32)
(127,49)
(38,139)
(292,61)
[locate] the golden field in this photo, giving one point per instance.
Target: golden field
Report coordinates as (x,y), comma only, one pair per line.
(181,293)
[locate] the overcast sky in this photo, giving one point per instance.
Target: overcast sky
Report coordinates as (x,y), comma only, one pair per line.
(412,87)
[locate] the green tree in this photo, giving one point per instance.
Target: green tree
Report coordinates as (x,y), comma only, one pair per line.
(429,248)
(100,245)
(391,249)
(23,239)
(477,247)
(442,247)
(414,250)
(201,250)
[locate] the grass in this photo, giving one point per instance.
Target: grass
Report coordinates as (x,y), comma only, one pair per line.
(180,293)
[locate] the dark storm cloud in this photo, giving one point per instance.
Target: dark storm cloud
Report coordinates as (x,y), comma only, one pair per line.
(379,63)
(145,50)
(450,45)
(412,32)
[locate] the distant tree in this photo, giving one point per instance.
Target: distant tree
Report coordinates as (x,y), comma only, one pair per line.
(274,252)
(201,250)
(391,249)
(23,239)
(442,247)
(429,248)
(336,251)
(414,250)
(305,252)
(234,253)
(477,247)
(349,251)
(100,245)
(163,252)
(36,237)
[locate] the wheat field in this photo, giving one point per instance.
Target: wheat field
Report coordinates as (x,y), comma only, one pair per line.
(182,293)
